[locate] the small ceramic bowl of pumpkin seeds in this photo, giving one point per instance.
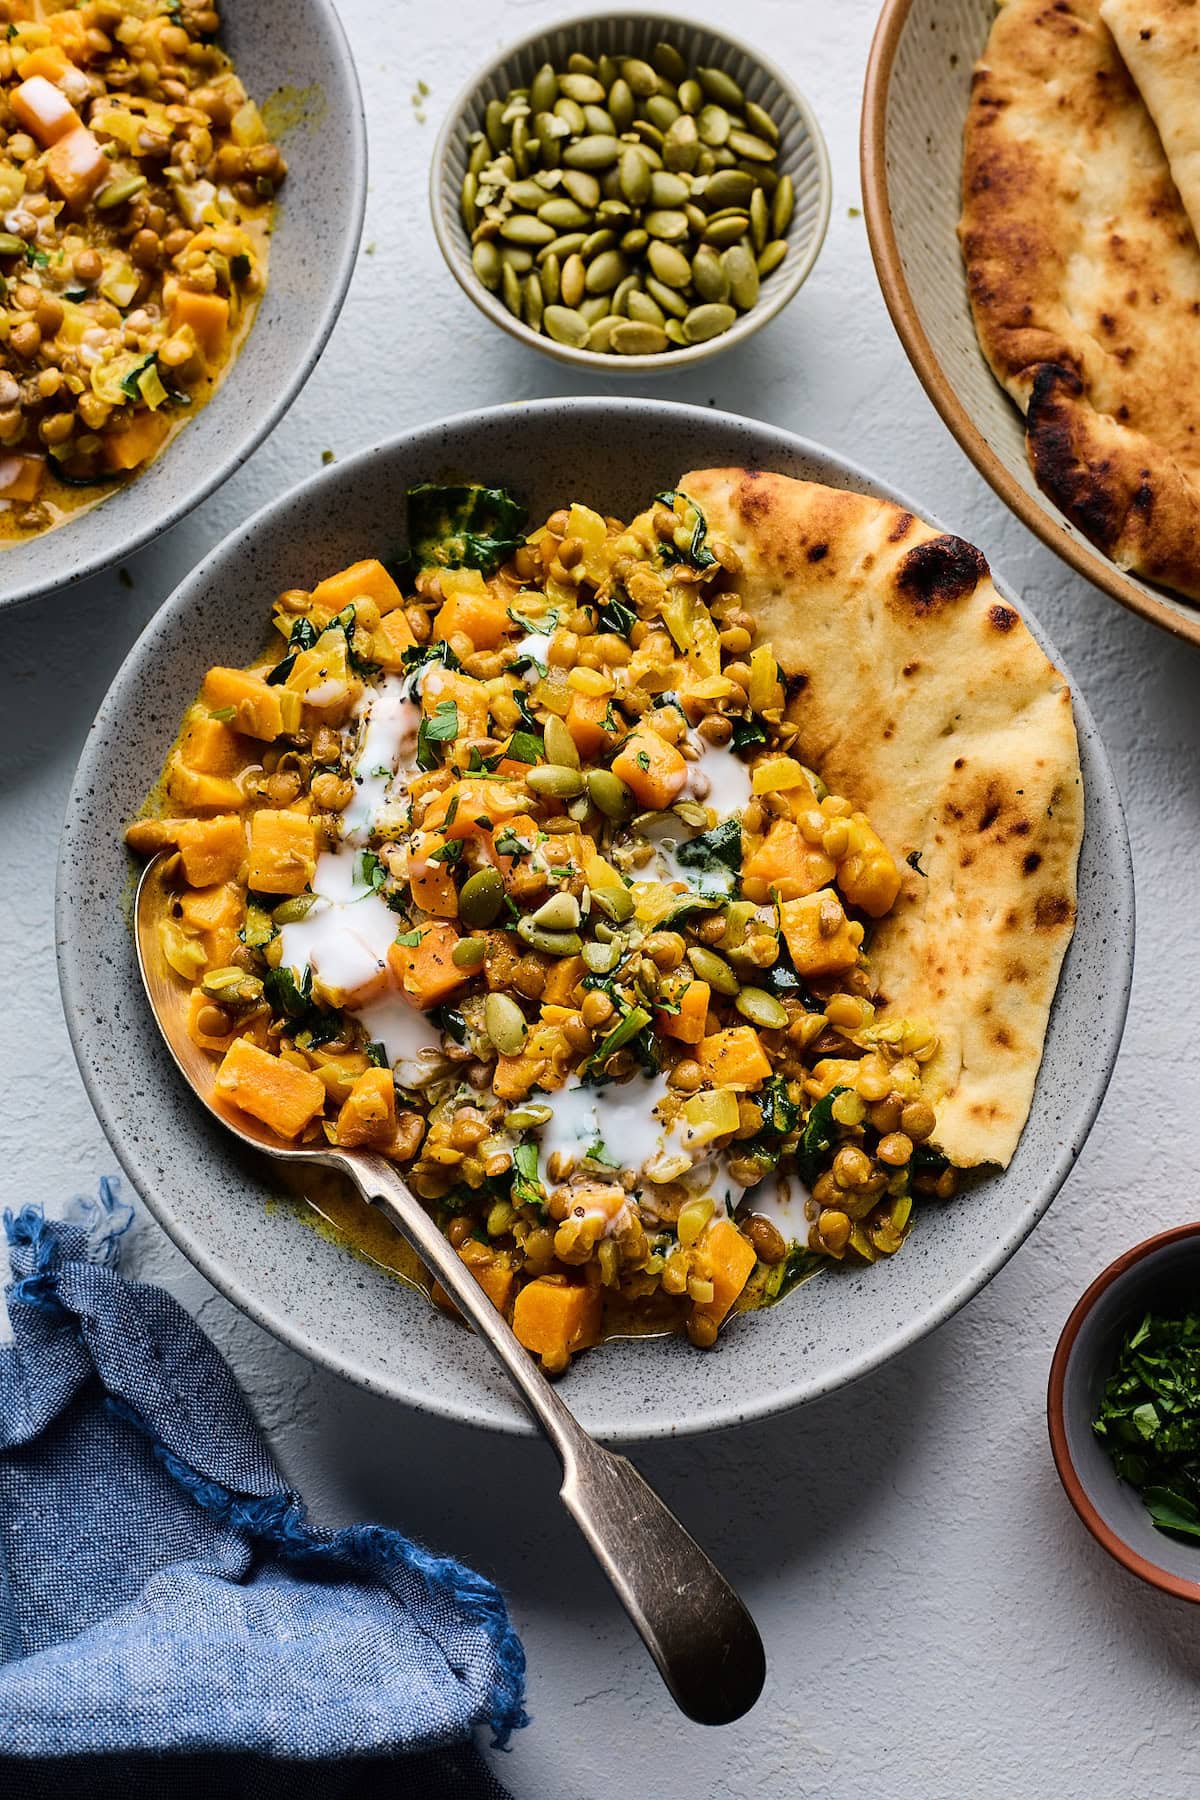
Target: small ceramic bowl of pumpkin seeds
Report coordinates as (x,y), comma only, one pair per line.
(630,192)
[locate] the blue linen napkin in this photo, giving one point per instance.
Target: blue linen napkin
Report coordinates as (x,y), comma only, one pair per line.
(169,1619)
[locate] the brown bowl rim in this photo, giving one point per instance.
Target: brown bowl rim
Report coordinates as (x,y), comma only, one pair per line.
(881,236)
(1067,1473)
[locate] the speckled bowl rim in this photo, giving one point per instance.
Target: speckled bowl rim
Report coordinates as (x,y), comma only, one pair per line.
(1056,1423)
(72,961)
(1041,517)
(247,442)
(603,363)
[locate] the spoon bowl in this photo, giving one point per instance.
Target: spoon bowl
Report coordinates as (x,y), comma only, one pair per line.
(703,1641)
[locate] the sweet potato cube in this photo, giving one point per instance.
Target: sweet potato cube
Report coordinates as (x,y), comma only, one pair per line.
(727,1259)
(868,876)
(514,1076)
(472,808)
(733,1058)
(688,1023)
(554,1317)
(136,444)
(199,791)
(431,883)
(210,747)
(822,940)
(369,1113)
(282,1096)
(425,970)
(259,710)
(212,849)
(585,721)
(43,110)
(470,699)
(283,851)
(208,316)
(49,60)
(652,768)
(391,638)
(210,908)
(76,166)
(492,1269)
(562,978)
(366,580)
(470,607)
(21,477)
(785,864)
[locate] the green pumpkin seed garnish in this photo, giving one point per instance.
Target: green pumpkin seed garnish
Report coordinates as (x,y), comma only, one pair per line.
(713,968)
(504,1023)
(761,1009)
(481,898)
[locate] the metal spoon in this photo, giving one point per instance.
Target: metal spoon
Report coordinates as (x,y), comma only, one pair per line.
(702,1638)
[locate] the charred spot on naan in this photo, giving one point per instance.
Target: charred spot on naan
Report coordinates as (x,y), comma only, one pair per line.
(936,573)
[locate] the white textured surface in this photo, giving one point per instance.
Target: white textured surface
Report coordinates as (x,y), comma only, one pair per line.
(937,1622)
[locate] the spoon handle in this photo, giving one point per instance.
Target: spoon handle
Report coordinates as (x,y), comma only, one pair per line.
(702,1638)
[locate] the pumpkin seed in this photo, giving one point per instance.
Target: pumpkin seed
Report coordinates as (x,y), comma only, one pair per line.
(117,192)
(666,297)
(681,146)
(516,258)
(621,104)
(563,214)
(595,308)
(713,126)
(642,78)
(760,121)
(551,943)
(527,1116)
(743,276)
(583,89)
(504,1023)
(691,96)
(232,987)
(708,321)
(604,239)
(761,1009)
(668,190)
(600,340)
(510,288)
(728,187)
(481,898)
(528,195)
(481,155)
(666,223)
(467,206)
(773,254)
(650,135)
(563,246)
(635,241)
(10,245)
(721,87)
(760,218)
(559,913)
(635,176)
(600,121)
(713,968)
(621,293)
(522,150)
(727,230)
(551,279)
(606,271)
(783,205)
(601,959)
(674,331)
(534,303)
(494,126)
(548,140)
(669,264)
(583,188)
(668,61)
(485,260)
(468,953)
(560,745)
(571,114)
(616,903)
(646,311)
(543,89)
(751,148)
(661,112)
(609,793)
(596,152)
(578,63)
(574,280)
(521,228)
(566,326)
(708,275)
(633,338)
(554,780)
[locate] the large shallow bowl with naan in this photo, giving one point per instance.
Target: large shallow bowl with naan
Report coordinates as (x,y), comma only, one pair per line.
(1079,247)
(923,690)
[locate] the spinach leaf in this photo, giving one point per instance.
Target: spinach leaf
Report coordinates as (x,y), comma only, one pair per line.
(817,1138)
(615,616)
(698,553)
(720,848)
(303,635)
(526,1188)
(747,732)
(463,527)
(376,1055)
(628,1027)
(421,656)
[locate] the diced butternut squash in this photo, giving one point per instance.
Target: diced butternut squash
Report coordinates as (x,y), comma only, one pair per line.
(369,1114)
(514,1076)
(734,1058)
(688,1023)
(282,1096)
(212,849)
(208,316)
(868,876)
(425,970)
(138,441)
(470,607)
(76,166)
(48,61)
(366,580)
(586,716)
(652,768)
(785,864)
(391,638)
(431,882)
(492,1269)
(21,477)
(470,699)
(472,808)
(211,908)
(555,1317)
(283,851)
(562,978)
(727,1259)
(339,1070)
(259,710)
(210,747)
(200,792)
(43,109)
(822,940)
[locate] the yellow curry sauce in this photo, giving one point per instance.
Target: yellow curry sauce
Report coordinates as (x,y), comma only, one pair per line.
(508,866)
(136,187)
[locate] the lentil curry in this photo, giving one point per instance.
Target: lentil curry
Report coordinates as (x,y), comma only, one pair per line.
(136,183)
(509,862)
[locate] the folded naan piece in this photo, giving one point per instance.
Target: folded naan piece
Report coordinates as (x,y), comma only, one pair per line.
(921,696)
(1159,42)
(1084,278)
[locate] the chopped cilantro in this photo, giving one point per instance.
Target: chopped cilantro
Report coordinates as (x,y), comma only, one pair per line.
(440,729)
(1149,1418)
(370,871)
(525,747)
(410,939)
(526,1188)
(449,852)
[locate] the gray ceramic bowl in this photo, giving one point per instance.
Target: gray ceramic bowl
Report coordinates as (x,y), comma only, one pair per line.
(802,155)
(309,67)
(212,1198)
(1162,1273)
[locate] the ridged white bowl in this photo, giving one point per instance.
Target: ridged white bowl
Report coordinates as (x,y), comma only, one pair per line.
(802,155)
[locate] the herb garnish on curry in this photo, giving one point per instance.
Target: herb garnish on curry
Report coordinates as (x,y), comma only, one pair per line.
(506,863)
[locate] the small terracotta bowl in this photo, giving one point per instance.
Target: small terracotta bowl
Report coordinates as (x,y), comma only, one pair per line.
(1161,1274)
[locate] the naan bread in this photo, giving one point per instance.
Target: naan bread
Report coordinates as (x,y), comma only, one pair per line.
(1084,278)
(921,696)
(1159,42)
